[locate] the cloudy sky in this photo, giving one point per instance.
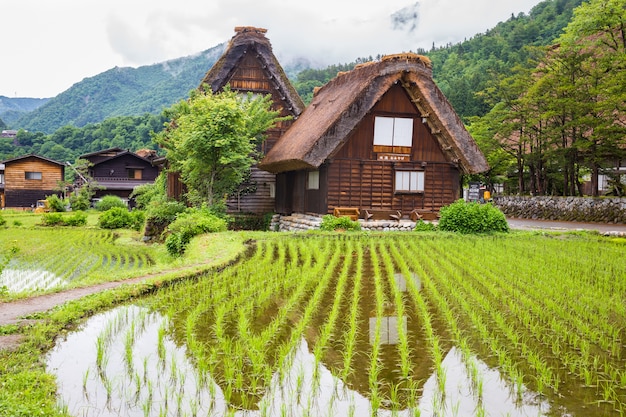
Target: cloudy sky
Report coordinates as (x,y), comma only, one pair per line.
(47,46)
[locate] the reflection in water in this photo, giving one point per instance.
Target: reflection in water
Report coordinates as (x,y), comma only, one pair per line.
(122,363)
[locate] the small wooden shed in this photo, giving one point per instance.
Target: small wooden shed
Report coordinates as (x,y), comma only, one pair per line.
(380,137)
(30,178)
(248,65)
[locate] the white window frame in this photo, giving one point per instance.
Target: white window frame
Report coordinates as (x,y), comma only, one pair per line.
(313,180)
(409,181)
(33,175)
(393,131)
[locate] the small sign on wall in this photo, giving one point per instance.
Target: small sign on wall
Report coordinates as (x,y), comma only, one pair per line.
(393,157)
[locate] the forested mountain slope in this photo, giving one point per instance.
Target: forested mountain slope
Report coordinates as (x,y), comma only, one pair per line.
(121,92)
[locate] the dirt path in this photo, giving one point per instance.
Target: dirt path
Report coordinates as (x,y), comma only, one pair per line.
(13,312)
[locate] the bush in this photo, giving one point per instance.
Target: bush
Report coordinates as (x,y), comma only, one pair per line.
(77,218)
(144,194)
(52,219)
(330,222)
(422,226)
(164,211)
(116,218)
(191,223)
(55,203)
(81,200)
(250,222)
(472,217)
(110,201)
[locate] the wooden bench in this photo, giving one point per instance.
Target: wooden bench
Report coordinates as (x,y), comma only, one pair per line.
(419,214)
(351,212)
(376,214)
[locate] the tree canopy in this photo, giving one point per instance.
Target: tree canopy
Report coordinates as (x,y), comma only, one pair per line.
(213,140)
(567,117)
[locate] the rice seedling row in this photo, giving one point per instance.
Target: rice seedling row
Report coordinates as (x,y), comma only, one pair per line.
(316,325)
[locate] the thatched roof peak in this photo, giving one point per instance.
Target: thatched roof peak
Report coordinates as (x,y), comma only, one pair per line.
(344,101)
(252,40)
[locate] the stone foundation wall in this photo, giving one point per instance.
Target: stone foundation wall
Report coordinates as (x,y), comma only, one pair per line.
(578,209)
(300,222)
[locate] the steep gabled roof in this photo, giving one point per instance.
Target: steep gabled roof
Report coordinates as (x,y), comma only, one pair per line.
(340,105)
(113,155)
(32,155)
(251,40)
(104,153)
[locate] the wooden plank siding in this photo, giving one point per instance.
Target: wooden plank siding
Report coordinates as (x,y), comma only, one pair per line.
(251,76)
(357,178)
(22,192)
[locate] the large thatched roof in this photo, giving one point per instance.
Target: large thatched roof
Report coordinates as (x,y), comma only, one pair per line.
(251,40)
(341,104)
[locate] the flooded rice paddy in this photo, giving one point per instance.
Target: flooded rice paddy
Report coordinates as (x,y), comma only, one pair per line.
(346,327)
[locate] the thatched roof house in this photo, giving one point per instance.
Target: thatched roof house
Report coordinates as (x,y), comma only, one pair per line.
(248,65)
(341,104)
(343,125)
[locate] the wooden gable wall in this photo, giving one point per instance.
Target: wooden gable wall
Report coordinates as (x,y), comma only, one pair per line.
(20,192)
(250,75)
(358,178)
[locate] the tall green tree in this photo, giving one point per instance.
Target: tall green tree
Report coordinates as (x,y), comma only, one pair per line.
(213,140)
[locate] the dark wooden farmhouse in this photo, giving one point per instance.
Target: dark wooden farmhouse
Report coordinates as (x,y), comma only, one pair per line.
(119,171)
(30,178)
(381,137)
(249,65)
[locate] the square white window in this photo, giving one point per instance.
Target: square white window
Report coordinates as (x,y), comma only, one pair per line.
(409,181)
(313,180)
(393,131)
(32,175)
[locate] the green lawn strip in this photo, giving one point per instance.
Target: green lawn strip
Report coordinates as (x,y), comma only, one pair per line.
(25,387)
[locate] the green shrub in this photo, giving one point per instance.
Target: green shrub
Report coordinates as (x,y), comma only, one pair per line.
(472,217)
(164,211)
(330,222)
(52,219)
(190,223)
(422,226)
(116,218)
(55,203)
(80,200)
(144,194)
(250,222)
(110,201)
(77,218)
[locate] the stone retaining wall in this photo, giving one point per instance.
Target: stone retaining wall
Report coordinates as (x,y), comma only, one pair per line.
(300,222)
(578,209)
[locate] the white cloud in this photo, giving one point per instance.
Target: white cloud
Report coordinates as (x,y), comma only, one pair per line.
(48,46)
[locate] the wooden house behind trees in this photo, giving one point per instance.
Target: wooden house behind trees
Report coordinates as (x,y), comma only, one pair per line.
(118,171)
(381,137)
(248,65)
(30,178)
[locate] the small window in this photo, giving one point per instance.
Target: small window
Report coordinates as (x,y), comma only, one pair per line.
(32,175)
(272,190)
(393,131)
(1,178)
(313,180)
(409,181)
(134,174)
